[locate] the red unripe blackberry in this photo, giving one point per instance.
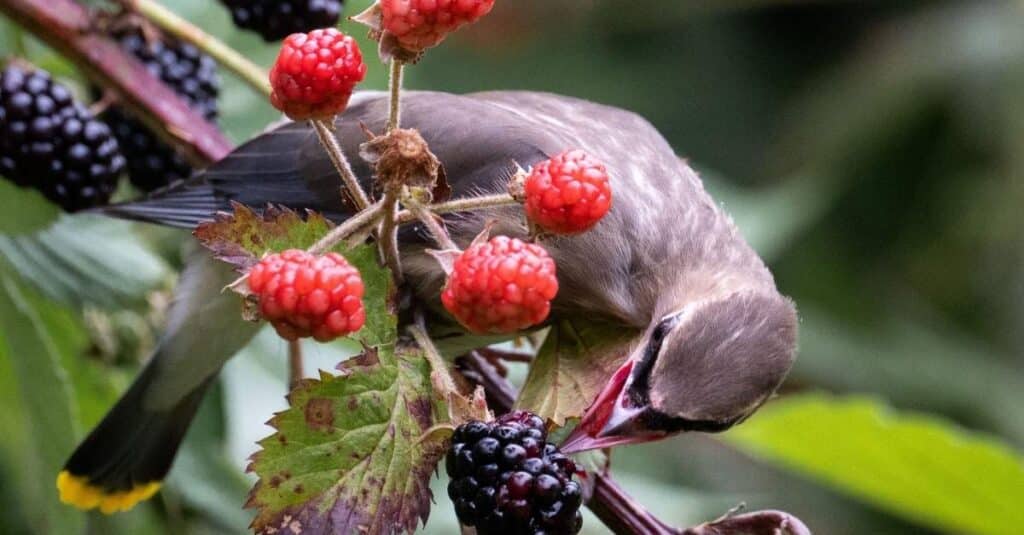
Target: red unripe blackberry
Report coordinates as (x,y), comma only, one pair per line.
(276,19)
(315,74)
(303,295)
(421,24)
(53,144)
(501,286)
(499,489)
(152,164)
(569,193)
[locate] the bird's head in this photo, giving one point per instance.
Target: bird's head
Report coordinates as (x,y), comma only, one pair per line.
(705,367)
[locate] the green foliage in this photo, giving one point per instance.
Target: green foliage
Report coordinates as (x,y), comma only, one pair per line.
(917,466)
(347,455)
(45,395)
(575,361)
(38,213)
(66,263)
(242,237)
(350,453)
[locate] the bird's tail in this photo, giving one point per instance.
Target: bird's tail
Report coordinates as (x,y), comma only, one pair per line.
(182,205)
(126,457)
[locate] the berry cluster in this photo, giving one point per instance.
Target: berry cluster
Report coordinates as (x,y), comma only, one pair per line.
(305,295)
(506,479)
(193,76)
(422,24)
(315,74)
(569,193)
(501,286)
(53,144)
(276,19)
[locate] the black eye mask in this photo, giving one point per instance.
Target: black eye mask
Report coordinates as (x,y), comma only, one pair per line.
(639,390)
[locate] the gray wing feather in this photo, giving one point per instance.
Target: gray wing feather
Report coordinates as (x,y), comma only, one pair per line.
(475,140)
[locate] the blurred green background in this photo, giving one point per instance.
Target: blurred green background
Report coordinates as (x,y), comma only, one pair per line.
(873,152)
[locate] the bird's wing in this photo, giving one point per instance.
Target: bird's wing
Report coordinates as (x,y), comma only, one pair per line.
(662,222)
(476,141)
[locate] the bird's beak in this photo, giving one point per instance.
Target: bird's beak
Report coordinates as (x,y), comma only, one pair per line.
(611,420)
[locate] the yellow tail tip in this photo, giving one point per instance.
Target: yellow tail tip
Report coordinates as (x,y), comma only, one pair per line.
(76,491)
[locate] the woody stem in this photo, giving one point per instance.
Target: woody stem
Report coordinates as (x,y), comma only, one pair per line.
(395,90)
(462,205)
(294,363)
(437,363)
(436,229)
(351,225)
(324,132)
(388,235)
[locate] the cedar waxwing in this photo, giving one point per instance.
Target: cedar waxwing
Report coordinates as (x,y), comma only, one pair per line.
(717,340)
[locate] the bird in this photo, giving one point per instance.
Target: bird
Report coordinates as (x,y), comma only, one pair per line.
(714,338)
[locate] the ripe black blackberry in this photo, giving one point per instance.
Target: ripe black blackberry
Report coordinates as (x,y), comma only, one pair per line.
(151,163)
(53,144)
(277,19)
(507,480)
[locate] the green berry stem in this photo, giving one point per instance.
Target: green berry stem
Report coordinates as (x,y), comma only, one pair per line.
(231,59)
(325,132)
(352,225)
(395,88)
(375,213)
(468,204)
(388,235)
(295,367)
(434,358)
(437,230)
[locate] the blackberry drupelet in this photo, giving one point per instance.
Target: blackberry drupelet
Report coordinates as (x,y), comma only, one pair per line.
(507,480)
(53,144)
(276,19)
(193,76)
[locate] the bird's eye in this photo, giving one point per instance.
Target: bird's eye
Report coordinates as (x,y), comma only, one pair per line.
(658,336)
(639,387)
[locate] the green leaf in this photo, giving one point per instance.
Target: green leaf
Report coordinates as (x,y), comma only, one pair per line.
(919,467)
(571,367)
(243,236)
(347,455)
(25,210)
(904,357)
(45,392)
(351,453)
(381,324)
(86,259)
